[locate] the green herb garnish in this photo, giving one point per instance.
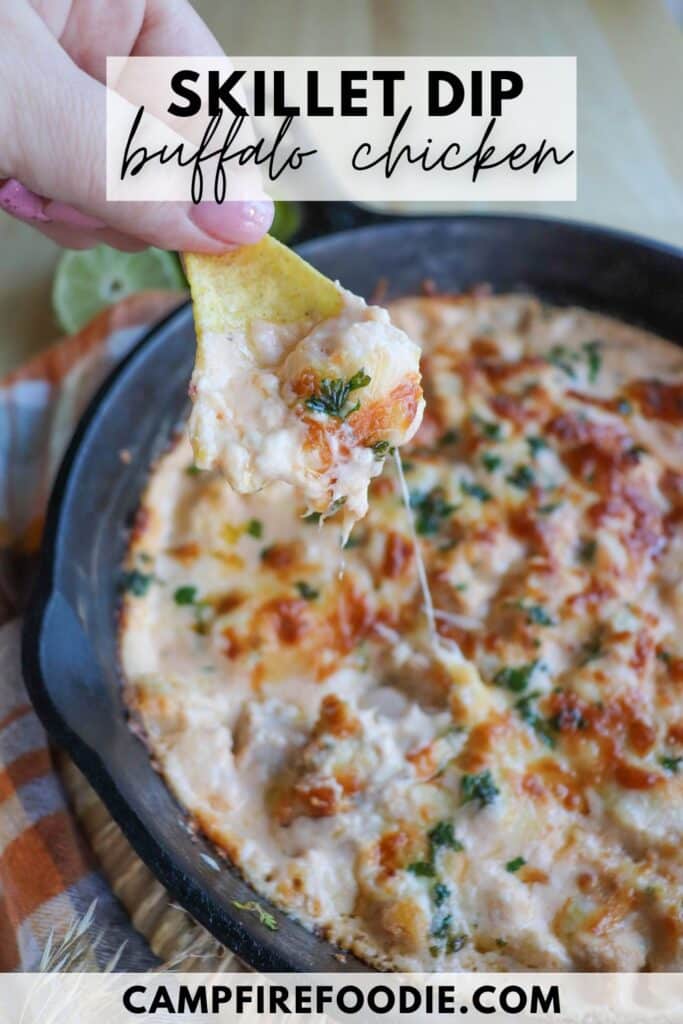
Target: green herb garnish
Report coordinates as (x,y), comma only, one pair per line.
(671,764)
(592,352)
(536,445)
(515,864)
(431,509)
(475,490)
(491,461)
(264,916)
(522,477)
(479,787)
(443,835)
(587,550)
(306,590)
(515,677)
(592,649)
(333,395)
(255,528)
(422,868)
(382,448)
(563,359)
(530,715)
(136,582)
(536,615)
(488,428)
(440,893)
(185,595)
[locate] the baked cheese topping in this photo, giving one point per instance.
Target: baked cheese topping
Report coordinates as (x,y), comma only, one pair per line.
(519,810)
(317,406)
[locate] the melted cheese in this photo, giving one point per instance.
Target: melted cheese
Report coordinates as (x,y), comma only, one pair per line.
(314,405)
(522,808)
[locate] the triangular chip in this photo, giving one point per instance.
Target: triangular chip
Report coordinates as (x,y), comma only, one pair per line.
(265,281)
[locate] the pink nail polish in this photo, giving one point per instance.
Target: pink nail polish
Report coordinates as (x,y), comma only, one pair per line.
(62,213)
(16,199)
(241,222)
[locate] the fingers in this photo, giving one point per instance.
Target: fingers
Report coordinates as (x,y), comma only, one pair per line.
(171,28)
(66,161)
(52,127)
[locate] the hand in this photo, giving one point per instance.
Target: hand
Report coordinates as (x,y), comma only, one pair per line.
(52,125)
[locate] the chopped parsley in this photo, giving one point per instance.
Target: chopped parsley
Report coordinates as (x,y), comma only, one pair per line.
(382,448)
(479,787)
(592,649)
(491,461)
(591,350)
(431,509)
(563,358)
(475,490)
(450,437)
(442,929)
(488,428)
(308,592)
(440,893)
(536,445)
(515,677)
(671,764)
(136,582)
(192,470)
(587,550)
(536,615)
(252,907)
(443,835)
(422,868)
(530,715)
(255,528)
(187,596)
(522,477)
(515,864)
(312,517)
(333,395)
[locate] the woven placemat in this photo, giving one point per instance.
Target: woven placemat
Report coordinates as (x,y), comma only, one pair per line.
(180,943)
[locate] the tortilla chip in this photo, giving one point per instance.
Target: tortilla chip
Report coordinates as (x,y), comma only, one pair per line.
(265,281)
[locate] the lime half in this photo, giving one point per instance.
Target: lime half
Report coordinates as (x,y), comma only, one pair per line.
(89,280)
(286,222)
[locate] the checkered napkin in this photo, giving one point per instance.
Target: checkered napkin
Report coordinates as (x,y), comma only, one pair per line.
(49,886)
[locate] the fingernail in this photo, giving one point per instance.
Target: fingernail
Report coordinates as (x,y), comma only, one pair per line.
(242,222)
(62,213)
(16,199)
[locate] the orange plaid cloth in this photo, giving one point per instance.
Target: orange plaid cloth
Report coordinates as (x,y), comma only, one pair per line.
(47,876)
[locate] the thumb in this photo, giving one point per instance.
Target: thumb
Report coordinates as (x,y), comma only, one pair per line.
(58,150)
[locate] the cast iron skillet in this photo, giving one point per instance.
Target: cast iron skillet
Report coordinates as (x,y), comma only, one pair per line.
(70,648)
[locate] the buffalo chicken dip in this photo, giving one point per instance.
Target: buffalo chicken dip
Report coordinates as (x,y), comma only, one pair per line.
(520,809)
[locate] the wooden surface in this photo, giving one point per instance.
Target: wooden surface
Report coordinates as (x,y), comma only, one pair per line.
(630,55)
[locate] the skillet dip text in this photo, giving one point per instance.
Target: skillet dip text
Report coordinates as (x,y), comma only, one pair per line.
(525,815)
